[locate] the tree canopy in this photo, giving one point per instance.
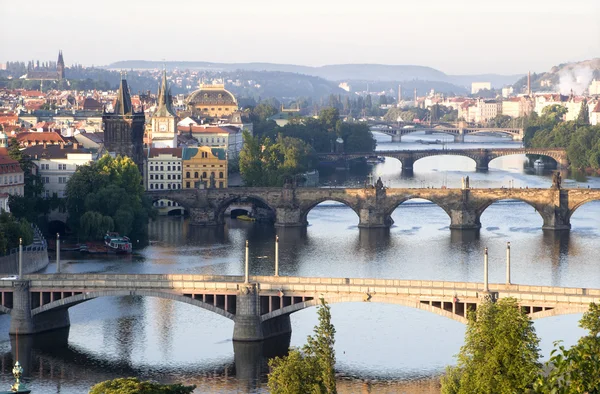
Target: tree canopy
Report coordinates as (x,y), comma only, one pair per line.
(108,195)
(11,229)
(575,370)
(267,163)
(135,386)
(312,369)
(500,354)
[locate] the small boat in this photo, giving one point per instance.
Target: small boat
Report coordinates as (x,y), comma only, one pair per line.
(246,218)
(117,243)
(375,159)
(538,163)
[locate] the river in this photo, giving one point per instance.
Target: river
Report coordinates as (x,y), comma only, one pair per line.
(379,348)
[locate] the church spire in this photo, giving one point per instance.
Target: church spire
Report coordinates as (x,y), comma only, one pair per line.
(123,105)
(164,98)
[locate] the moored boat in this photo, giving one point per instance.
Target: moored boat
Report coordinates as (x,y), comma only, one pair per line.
(246,218)
(117,243)
(538,163)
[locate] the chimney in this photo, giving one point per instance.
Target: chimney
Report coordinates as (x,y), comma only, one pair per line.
(45,145)
(75,145)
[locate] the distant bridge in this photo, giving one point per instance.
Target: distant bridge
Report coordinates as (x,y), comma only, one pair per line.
(459,133)
(261,307)
(482,157)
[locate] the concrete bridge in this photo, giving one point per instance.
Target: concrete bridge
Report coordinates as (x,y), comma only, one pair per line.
(289,207)
(261,307)
(458,132)
(482,157)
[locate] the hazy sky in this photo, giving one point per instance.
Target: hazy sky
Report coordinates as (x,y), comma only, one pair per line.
(457,37)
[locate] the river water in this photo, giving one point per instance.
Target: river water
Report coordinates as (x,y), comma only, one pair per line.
(379,348)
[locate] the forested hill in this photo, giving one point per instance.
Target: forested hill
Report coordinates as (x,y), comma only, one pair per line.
(335,72)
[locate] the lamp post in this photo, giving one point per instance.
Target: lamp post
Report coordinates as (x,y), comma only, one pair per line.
(20,257)
(486,287)
(508,263)
(276,255)
(57,253)
(246,277)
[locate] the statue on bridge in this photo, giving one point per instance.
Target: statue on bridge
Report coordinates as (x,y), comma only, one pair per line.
(379,184)
(556,180)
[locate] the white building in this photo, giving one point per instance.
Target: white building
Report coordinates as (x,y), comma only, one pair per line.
(226,137)
(163,169)
(477,86)
(594,88)
(56,164)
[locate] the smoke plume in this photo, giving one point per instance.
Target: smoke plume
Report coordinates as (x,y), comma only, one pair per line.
(577,79)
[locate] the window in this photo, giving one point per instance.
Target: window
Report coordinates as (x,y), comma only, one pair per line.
(151,168)
(162,168)
(168,185)
(187,185)
(196,174)
(162,186)
(152,186)
(62,179)
(161,176)
(62,166)
(204,174)
(178,176)
(46,179)
(221,174)
(151,176)
(179,186)
(168,168)
(212,174)
(168,176)
(187,174)
(178,168)
(45,166)
(213,139)
(220,184)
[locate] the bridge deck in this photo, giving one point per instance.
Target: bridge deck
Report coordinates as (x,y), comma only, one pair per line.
(301,286)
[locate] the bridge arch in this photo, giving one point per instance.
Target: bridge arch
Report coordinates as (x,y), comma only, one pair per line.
(509,132)
(559,159)
(390,210)
(306,208)
(179,198)
(259,201)
(538,208)
(68,302)
(407,302)
(579,204)
(440,152)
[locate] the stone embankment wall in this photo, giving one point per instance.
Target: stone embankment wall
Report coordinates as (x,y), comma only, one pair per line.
(35,257)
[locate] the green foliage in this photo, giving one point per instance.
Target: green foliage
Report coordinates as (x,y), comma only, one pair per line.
(575,370)
(108,194)
(267,163)
(313,369)
(11,229)
(135,386)
(500,354)
(584,115)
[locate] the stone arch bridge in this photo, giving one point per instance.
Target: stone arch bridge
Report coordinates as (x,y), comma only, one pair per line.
(261,308)
(482,157)
(290,206)
(458,132)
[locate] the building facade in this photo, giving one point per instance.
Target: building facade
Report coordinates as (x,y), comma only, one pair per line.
(204,167)
(56,164)
(163,169)
(124,128)
(212,100)
(12,181)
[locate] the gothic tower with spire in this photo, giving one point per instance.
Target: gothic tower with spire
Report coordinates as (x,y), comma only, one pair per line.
(164,120)
(60,66)
(124,128)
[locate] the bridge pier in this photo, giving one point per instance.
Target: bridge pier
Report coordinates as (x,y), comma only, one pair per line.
(374,218)
(203,217)
(396,138)
(464,219)
(407,163)
(459,137)
(248,326)
(289,217)
(22,322)
(483,163)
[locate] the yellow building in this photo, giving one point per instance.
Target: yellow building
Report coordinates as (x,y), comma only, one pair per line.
(204,167)
(212,100)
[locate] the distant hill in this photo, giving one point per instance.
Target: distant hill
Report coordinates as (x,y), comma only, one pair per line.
(335,72)
(575,76)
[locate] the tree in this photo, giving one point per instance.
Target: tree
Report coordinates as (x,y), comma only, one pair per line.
(105,194)
(11,230)
(575,370)
(584,114)
(311,370)
(135,386)
(500,354)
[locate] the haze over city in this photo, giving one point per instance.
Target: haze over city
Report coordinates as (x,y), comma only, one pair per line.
(459,37)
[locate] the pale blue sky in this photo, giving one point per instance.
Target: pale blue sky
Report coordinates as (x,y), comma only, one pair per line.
(457,37)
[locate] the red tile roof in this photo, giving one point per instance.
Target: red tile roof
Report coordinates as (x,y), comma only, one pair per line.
(49,137)
(154,152)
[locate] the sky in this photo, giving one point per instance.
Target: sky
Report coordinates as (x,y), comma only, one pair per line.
(456,37)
